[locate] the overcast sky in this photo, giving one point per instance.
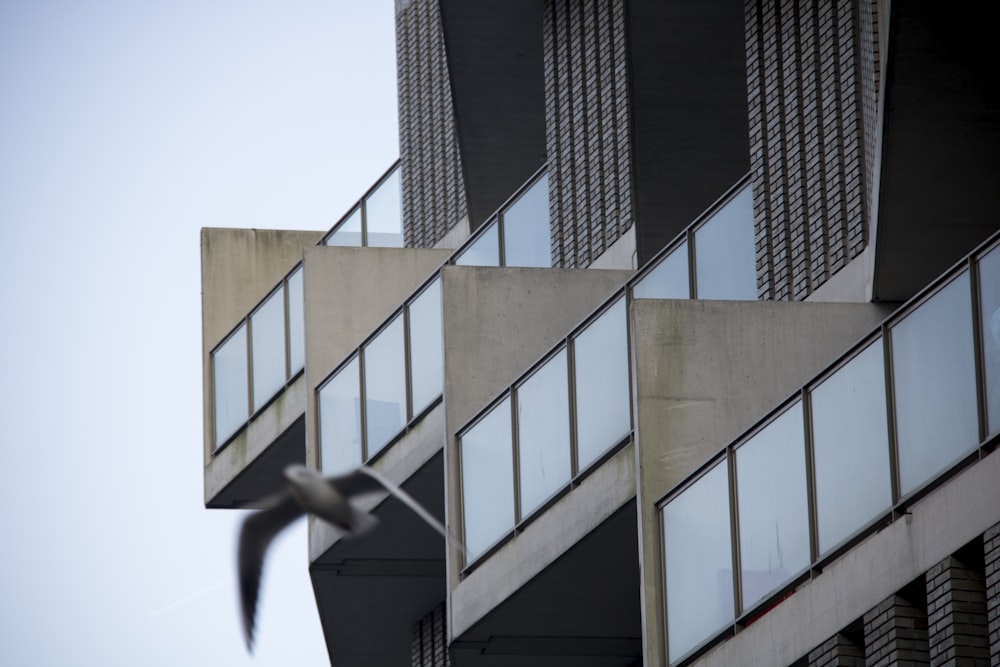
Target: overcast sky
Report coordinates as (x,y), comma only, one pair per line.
(125,127)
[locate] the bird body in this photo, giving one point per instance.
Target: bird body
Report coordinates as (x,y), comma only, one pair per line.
(328,498)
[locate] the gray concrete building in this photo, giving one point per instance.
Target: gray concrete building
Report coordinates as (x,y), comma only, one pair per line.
(684,316)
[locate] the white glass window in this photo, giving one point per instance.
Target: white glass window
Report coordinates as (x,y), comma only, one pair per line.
(543,432)
(384,214)
(526,235)
(426,347)
(484,251)
(229,377)
(668,280)
(296,322)
(487,480)
(725,260)
(340,421)
(385,386)
(267,334)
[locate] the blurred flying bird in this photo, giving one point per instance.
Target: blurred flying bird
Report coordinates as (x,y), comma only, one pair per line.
(330,499)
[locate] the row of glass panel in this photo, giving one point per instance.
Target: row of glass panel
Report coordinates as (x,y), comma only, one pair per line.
(535,440)
(376,220)
(256,360)
(858,472)
(392,379)
(519,235)
(496,493)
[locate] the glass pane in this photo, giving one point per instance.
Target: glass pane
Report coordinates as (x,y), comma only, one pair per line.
(934,380)
(340,421)
(426,347)
(267,333)
(725,263)
(484,251)
(349,233)
(229,369)
(526,236)
(385,386)
(602,389)
(488,480)
(773,514)
(989,295)
(851,447)
(698,562)
(669,280)
(296,322)
(543,432)
(384,214)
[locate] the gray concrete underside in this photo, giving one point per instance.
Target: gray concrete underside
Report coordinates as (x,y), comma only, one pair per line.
(938,194)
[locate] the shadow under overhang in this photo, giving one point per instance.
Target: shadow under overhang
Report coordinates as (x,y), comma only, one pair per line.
(583,609)
(371,590)
(938,194)
(495,63)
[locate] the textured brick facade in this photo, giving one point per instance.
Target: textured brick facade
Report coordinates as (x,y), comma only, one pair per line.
(896,634)
(587,127)
(838,651)
(991,549)
(433,189)
(428,647)
(956,615)
(812,76)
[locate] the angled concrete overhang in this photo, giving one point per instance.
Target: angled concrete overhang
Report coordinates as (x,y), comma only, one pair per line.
(940,157)
(494,52)
(239,267)
(523,604)
(369,591)
(706,371)
(687,61)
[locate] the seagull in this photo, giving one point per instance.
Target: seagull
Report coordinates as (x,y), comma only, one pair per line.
(330,499)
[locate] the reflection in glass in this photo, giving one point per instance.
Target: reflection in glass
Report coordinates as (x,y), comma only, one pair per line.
(543,432)
(426,347)
(934,380)
(296,323)
(600,354)
(484,251)
(348,233)
(267,345)
(526,236)
(773,516)
(385,386)
(697,554)
(989,303)
(668,280)
(384,214)
(487,480)
(725,264)
(229,376)
(851,447)
(340,421)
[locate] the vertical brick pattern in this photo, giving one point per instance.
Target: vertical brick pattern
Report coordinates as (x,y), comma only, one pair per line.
(838,651)
(587,127)
(433,189)
(896,634)
(956,615)
(428,647)
(991,547)
(812,92)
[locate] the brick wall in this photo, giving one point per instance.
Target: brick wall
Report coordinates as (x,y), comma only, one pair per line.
(432,183)
(896,634)
(956,615)
(991,549)
(427,649)
(587,127)
(812,90)
(838,651)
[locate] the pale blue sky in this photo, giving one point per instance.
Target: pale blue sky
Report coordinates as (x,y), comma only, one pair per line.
(124,128)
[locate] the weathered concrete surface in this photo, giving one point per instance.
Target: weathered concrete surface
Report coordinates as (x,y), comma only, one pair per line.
(934,528)
(704,372)
(349,293)
(620,255)
(497,323)
(239,267)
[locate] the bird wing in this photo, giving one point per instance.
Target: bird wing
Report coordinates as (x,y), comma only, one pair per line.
(256,534)
(366,480)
